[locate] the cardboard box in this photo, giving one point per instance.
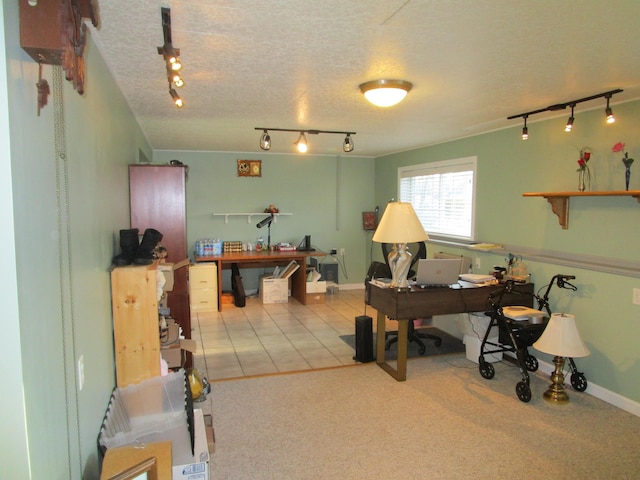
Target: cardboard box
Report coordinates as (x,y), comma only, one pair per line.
(315,298)
(317,287)
(167,270)
(316,292)
(198,466)
(274,290)
(174,354)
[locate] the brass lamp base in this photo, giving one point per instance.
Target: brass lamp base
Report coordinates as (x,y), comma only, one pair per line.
(555,393)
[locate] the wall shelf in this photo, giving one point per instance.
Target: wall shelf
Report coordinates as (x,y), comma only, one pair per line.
(249,215)
(560,200)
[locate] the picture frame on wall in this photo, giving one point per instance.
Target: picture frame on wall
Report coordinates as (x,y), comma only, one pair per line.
(369,220)
(249,168)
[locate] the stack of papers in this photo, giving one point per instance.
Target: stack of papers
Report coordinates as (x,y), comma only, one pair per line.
(476,278)
(521,312)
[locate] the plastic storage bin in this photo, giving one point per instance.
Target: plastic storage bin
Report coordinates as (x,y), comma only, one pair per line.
(154,410)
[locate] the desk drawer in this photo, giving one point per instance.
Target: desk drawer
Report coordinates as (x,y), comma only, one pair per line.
(203,299)
(203,276)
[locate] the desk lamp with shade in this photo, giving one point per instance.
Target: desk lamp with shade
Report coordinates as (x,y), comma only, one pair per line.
(561,339)
(399,225)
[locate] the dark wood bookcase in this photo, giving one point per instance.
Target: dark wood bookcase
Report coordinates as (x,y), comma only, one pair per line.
(158,200)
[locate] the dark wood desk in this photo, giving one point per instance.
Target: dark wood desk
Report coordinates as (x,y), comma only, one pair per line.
(404,306)
(266,259)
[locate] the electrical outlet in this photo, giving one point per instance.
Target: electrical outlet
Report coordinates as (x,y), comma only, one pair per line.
(81,372)
(342,252)
(477,264)
(636,296)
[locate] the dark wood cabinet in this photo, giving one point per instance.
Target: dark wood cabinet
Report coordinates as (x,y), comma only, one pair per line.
(158,200)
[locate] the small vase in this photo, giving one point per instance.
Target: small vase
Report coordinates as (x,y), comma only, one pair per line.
(627,177)
(581,180)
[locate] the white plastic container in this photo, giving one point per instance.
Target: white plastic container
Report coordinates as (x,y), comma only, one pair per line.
(473,343)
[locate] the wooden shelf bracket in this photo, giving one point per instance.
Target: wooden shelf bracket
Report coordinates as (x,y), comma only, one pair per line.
(559,201)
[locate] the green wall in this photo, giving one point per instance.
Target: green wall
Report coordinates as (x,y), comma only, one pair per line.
(325,196)
(62,218)
(601,230)
(66,212)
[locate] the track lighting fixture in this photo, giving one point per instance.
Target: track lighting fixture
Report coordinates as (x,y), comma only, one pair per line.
(385,93)
(572,104)
(347,145)
(265,141)
(525,130)
(301,143)
(171,57)
(608,112)
(176,98)
(569,126)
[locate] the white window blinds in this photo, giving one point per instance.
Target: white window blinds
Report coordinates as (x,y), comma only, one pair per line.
(443,195)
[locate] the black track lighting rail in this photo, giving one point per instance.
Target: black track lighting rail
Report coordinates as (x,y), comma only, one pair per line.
(570,103)
(298,130)
(301,143)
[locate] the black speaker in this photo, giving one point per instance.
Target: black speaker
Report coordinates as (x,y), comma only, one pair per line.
(364,339)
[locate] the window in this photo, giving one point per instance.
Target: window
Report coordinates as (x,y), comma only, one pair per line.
(443,196)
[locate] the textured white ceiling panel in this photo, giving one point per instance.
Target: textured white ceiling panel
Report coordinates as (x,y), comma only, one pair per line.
(298,64)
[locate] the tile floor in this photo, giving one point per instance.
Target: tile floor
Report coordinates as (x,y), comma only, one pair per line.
(266,339)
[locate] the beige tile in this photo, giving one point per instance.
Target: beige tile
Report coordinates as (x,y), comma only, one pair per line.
(264,339)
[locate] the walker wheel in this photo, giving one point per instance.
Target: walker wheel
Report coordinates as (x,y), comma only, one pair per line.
(531,363)
(421,350)
(486,369)
(523,391)
(578,382)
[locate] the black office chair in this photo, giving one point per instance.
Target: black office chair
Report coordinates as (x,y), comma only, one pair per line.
(418,250)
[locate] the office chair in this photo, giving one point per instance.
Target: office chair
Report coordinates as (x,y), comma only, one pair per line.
(418,250)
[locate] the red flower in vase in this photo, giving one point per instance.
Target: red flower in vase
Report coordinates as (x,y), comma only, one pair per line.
(619,147)
(585,156)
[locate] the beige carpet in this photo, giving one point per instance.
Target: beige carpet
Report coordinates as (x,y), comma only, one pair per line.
(444,422)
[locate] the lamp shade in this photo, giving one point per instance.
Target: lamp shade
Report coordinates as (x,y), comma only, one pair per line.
(400,224)
(561,337)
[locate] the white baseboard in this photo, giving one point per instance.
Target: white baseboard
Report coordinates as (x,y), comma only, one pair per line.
(597,391)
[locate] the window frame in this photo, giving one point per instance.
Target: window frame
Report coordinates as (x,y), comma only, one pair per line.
(444,167)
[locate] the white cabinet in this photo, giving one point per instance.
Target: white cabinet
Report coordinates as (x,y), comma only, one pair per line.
(203,287)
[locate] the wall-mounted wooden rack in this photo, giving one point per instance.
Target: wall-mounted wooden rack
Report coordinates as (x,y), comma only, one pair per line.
(249,215)
(560,200)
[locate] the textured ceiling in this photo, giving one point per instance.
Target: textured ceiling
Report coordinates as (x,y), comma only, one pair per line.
(298,63)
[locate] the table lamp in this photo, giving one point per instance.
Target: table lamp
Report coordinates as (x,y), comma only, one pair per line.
(561,339)
(399,225)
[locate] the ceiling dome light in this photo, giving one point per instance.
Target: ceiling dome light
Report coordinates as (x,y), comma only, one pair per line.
(385,93)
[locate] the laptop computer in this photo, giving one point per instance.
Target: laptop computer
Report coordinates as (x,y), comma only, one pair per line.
(439,272)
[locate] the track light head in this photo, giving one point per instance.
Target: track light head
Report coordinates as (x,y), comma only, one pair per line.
(301,143)
(525,130)
(347,145)
(265,141)
(176,98)
(608,112)
(569,126)
(176,79)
